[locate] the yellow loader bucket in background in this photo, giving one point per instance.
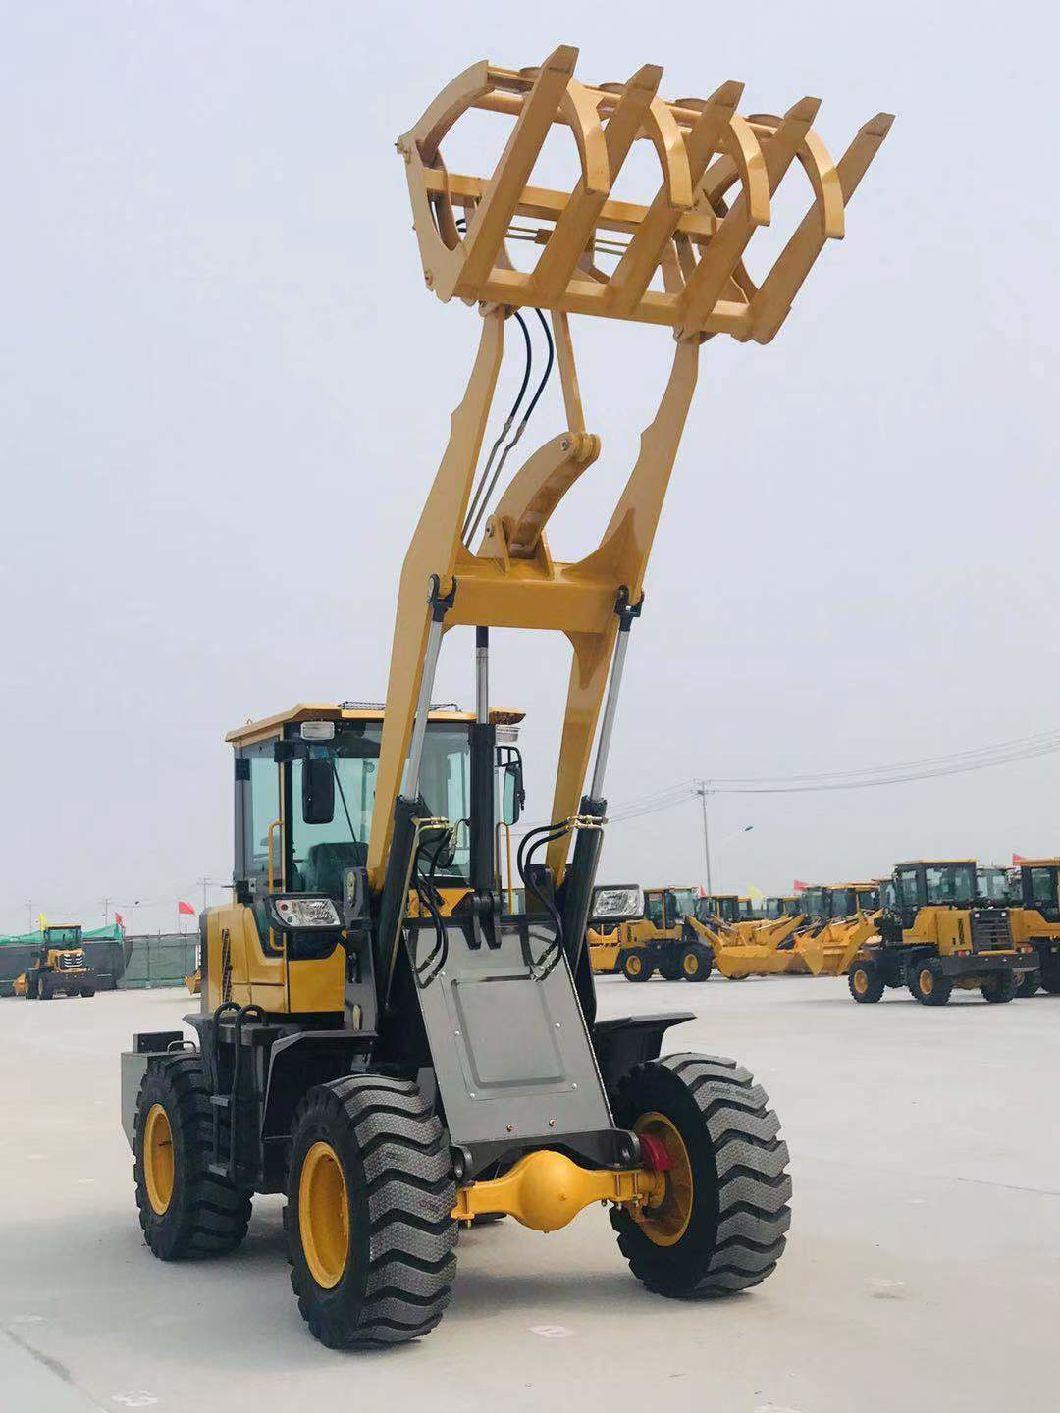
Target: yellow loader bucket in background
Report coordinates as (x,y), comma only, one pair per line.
(831,951)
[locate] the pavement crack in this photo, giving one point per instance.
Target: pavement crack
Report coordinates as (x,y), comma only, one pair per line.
(52,1365)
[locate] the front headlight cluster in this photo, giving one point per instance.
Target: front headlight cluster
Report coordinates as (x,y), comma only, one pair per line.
(307,912)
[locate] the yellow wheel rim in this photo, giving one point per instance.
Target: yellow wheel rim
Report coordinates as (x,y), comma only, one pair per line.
(667,1223)
(861,982)
(158,1160)
(323,1216)
(927,982)
(633,966)
(691,964)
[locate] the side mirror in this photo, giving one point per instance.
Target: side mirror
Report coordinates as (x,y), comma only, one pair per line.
(513,796)
(318,790)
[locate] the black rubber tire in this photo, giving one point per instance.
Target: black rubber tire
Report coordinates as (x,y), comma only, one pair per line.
(736,1231)
(671,970)
(88,991)
(1000,988)
(1028,986)
(873,985)
(703,962)
(1049,976)
(400,1191)
(941,986)
(44,990)
(32,986)
(207,1215)
(647,971)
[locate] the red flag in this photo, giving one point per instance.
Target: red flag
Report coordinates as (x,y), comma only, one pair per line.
(799,886)
(119,919)
(185,910)
(1018,859)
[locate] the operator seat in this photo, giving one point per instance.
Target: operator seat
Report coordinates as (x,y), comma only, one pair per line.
(325,866)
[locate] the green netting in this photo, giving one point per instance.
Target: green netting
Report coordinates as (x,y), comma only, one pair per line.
(163,960)
(112,933)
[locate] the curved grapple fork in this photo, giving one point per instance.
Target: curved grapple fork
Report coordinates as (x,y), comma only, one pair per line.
(675,262)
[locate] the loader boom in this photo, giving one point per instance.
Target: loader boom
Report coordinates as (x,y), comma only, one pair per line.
(679,264)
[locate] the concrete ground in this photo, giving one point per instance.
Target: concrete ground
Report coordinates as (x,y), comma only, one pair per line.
(923,1270)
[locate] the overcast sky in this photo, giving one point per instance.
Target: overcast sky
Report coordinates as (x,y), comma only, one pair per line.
(225,391)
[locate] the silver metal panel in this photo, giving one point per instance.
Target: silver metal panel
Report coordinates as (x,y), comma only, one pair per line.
(509,1044)
(132,1072)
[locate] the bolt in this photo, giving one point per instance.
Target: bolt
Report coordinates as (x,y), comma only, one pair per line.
(456,1032)
(565,444)
(574,1086)
(552,1123)
(557,1025)
(428,279)
(507,1128)
(470,1095)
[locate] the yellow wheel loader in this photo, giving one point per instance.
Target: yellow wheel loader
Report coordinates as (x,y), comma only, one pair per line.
(1035,921)
(746,946)
(942,934)
(395,1068)
(840,920)
(60,968)
(667,938)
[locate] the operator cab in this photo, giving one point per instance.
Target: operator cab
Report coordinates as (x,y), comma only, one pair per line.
(867,896)
(994,884)
(935,884)
(65,939)
(816,903)
(723,906)
(1039,887)
(665,907)
(305,791)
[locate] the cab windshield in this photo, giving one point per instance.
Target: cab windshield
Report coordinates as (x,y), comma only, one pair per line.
(814,903)
(993,885)
(1043,889)
(725,906)
(63,936)
(950,883)
(321,853)
(684,901)
(843,904)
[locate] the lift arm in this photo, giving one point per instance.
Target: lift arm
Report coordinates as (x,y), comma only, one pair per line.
(676,263)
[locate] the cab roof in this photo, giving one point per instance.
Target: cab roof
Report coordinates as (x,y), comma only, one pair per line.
(938,863)
(269,726)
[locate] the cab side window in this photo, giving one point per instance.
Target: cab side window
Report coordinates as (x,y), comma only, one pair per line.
(907,887)
(264,810)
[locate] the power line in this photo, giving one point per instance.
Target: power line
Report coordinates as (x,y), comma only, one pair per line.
(864,778)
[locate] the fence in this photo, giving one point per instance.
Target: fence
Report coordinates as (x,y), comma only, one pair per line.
(162,959)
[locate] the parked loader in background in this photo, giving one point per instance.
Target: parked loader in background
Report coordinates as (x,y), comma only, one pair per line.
(941,935)
(60,968)
(396,1069)
(669,939)
(1035,921)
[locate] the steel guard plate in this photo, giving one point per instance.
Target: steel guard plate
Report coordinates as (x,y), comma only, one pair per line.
(511,1054)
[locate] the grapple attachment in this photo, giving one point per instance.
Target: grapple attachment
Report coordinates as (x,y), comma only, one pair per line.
(678,261)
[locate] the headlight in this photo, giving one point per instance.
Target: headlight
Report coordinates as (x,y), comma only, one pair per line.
(306,912)
(620,904)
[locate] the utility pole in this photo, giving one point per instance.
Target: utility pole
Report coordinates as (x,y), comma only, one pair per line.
(105,905)
(701,788)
